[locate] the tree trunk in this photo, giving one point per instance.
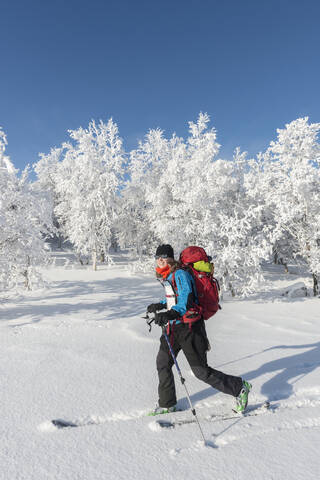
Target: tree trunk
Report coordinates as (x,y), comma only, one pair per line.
(282,262)
(315,284)
(94,260)
(229,284)
(232,290)
(25,273)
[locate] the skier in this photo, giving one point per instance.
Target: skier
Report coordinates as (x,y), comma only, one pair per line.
(192,340)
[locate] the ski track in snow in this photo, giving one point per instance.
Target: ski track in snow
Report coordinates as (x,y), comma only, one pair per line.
(221,440)
(286,330)
(98,419)
(273,325)
(275,408)
(257,431)
(250,427)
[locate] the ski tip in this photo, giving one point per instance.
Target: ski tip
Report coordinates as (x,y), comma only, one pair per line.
(59,423)
(206,443)
(210,444)
(165,424)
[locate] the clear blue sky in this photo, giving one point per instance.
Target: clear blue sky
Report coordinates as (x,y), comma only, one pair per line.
(252,65)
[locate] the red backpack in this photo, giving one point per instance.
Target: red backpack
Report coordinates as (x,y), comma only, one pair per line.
(207,286)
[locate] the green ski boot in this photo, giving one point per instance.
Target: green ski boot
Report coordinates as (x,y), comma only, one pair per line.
(242,398)
(162,410)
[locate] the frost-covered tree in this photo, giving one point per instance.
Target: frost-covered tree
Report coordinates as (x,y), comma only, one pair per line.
(181,193)
(238,239)
(88,180)
(297,153)
(24,223)
(193,184)
(46,169)
(287,181)
(145,169)
(169,177)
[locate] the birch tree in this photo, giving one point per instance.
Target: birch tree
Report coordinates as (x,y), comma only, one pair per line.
(88,181)
(24,222)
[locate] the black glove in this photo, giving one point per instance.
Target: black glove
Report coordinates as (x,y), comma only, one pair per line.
(162,319)
(153,307)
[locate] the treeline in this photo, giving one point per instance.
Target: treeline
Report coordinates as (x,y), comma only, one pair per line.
(242,211)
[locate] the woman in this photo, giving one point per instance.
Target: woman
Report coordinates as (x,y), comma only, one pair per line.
(192,340)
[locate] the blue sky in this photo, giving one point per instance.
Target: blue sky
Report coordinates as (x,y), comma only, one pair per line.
(252,65)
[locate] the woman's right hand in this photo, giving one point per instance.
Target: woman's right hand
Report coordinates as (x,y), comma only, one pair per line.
(155,307)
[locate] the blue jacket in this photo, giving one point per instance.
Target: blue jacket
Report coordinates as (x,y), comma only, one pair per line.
(186,292)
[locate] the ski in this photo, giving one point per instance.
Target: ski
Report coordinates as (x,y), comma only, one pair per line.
(251,411)
(60,423)
(152,414)
(63,423)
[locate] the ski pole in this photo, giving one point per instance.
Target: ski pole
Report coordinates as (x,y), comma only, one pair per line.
(193,410)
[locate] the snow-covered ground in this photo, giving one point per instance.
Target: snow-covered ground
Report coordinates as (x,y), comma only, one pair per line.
(81,351)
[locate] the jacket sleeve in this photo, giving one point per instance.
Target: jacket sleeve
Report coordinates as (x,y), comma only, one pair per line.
(184,291)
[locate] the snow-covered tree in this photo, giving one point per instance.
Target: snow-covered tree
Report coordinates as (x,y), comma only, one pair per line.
(181,193)
(238,239)
(193,185)
(137,210)
(88,180)
(170,178)
(289,182)
(46,170)
(24,222)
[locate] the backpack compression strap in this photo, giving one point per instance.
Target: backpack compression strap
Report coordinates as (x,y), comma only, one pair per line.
(194,313)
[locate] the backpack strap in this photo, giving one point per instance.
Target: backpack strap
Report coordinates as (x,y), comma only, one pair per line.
(174,284)
(194,313)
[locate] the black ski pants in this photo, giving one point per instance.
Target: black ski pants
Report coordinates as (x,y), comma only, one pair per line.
(194,344)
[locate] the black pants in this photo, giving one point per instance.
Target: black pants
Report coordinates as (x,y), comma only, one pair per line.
(193,342)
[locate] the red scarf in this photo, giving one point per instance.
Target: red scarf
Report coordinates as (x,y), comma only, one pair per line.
(164,272)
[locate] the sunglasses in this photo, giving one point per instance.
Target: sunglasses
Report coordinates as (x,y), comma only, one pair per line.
(161,256)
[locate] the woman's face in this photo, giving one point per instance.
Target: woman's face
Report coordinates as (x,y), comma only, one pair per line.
(163,262)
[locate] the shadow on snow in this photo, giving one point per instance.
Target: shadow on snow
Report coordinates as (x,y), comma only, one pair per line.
(124,298)
(286,372)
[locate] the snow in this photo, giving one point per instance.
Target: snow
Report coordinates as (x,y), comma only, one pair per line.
(299,289)
(80,351)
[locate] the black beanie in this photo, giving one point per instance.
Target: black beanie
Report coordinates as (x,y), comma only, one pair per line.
(165,251)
